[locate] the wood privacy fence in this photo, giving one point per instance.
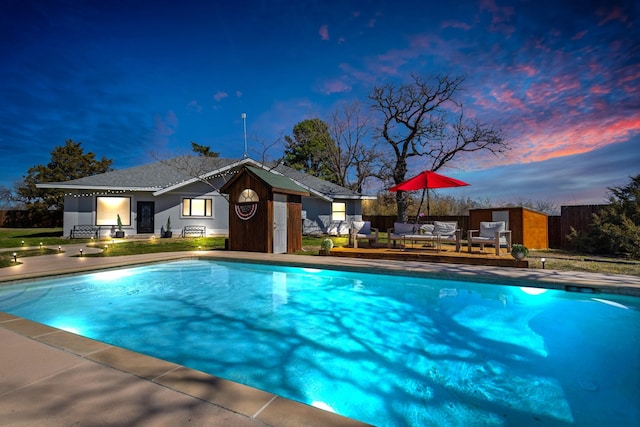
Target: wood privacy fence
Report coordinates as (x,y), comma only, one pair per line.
(559,226)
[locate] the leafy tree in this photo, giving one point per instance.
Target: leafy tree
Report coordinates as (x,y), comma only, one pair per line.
(67,162)
(203,150)
(615,229)
(423,118)
(308,149)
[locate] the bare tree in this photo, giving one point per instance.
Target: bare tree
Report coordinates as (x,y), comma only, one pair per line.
(424,118)
(354,157)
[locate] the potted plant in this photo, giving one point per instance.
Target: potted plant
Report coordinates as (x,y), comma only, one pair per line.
(519,251)
(326,246)
(120,232)
(167,232)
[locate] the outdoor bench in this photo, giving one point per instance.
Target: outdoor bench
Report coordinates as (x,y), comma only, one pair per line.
(194,230)
(85,231)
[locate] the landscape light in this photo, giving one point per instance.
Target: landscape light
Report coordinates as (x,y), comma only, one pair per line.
(23,243)
(543,261)
(15,257)
(59,248)
(40,245)
(199,248)
(80,251)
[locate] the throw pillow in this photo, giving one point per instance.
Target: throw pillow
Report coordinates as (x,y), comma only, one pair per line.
(445,228)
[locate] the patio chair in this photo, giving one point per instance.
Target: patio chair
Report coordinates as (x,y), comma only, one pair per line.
(490,233)
(362,230)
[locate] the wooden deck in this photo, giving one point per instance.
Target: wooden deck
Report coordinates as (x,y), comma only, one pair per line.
(418,252)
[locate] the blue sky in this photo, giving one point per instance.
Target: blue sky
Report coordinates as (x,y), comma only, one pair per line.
(134,78)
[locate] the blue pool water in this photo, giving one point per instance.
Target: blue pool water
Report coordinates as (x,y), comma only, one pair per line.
(388,350)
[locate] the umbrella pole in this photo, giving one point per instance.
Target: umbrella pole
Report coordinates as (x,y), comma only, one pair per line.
(426,188)
(420,206)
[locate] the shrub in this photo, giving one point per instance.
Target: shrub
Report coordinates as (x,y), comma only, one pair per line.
(615,229)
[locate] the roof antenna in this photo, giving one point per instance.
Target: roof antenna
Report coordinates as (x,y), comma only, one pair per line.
(244,119)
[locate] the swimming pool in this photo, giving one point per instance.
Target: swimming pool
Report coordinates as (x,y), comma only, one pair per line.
(388,350)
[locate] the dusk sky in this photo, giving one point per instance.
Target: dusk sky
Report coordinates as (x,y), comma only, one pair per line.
(132,78)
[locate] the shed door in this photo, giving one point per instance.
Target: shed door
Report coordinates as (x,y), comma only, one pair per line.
(279,224)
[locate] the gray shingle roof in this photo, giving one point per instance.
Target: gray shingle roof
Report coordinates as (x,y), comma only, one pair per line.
(172,173)
(320,185)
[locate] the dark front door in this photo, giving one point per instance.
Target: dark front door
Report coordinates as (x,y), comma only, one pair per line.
(146,214)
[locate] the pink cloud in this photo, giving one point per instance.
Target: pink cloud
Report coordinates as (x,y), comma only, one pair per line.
(220,96)
(615,14)
(579,36)
(335,86)
(456,24)
(324,32)
(501,16)
(194,106)
(600,90)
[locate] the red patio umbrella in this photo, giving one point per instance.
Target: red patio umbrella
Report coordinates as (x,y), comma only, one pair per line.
(425,181)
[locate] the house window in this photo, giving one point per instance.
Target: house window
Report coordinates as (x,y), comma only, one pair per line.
(197,207)
(108,209)
(338,211)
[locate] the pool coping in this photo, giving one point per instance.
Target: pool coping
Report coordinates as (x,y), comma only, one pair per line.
(257,405)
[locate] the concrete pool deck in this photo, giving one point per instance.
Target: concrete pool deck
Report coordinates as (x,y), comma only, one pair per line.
(49,376)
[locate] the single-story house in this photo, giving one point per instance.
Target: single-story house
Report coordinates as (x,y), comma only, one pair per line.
(185,191)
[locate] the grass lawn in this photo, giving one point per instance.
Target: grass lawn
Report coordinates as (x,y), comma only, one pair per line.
(32,237)
(131,247)
(6,257)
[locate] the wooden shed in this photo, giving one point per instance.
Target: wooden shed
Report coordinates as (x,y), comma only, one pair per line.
(527,226)
(265,212)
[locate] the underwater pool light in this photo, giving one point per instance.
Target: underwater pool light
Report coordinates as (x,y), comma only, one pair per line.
(533,291)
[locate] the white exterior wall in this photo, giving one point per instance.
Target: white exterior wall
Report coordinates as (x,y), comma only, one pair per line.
(81,210)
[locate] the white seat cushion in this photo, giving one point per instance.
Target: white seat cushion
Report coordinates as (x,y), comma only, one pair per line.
(427,229)
(444,228)
(489,229)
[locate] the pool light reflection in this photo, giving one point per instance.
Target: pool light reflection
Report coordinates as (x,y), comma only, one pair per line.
(533,291)
(111,275)
(321,405)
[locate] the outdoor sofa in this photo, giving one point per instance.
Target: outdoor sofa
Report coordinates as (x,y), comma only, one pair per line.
(436,233)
